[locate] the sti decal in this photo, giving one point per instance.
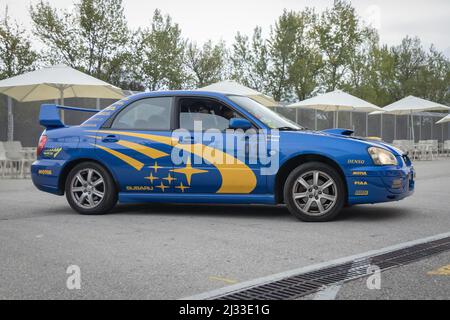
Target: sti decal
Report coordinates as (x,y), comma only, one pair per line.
(52,152)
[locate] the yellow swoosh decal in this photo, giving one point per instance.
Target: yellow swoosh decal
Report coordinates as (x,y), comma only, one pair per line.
(132,162)
(149,152)
(232,170)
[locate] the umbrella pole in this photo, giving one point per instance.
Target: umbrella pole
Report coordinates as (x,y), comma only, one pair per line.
(337,118)
(412,128)
(351,121)
(381,126)
(408,129)
(10,120)
(420,127)
(367,124)
(315,119)
(395,127)
(61,95)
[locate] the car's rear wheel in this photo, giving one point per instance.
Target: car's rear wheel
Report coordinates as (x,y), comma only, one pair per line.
(314,192)
(90,189)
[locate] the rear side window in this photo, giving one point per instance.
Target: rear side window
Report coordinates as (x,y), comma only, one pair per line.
(146,114)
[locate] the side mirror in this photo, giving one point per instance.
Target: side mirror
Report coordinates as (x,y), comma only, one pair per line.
(240,123)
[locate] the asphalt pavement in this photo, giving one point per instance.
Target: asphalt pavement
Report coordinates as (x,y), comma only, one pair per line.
(157,251)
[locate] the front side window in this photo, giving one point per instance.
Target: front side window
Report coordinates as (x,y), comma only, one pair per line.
(146,114)
(267,116)
(211,114)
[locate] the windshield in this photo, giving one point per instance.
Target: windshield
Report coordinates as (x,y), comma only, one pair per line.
(267,116)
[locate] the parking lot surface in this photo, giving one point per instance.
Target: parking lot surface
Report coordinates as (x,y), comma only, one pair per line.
(159,251)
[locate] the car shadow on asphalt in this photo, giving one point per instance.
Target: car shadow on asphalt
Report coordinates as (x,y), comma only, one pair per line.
(355,213)
(363,213)
(210,210)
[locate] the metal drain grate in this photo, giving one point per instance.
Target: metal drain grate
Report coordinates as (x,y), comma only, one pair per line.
(307,283)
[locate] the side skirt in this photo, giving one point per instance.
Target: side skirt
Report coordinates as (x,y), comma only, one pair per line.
(197,198)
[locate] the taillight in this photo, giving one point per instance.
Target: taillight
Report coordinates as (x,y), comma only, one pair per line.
(41,145)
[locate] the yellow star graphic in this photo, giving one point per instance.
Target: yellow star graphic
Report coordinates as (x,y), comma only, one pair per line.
(155,167)
(151,178)
(162,186)
(188,171)
(182,187)
(169,178)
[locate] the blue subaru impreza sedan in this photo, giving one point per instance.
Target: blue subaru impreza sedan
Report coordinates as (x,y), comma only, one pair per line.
(207,147)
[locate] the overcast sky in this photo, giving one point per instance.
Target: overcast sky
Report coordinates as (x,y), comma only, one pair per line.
(212,19)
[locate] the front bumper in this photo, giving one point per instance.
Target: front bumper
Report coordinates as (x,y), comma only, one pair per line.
(376,184)
(45,175)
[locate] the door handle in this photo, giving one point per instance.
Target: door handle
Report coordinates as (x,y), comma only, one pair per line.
(110,138)
(189,139)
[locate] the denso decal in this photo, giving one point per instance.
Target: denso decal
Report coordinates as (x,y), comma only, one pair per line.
(355,161)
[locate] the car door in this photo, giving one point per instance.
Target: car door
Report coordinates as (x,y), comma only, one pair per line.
(214,166)
(137,146)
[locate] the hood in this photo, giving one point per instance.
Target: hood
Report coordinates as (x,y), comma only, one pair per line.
(348,134)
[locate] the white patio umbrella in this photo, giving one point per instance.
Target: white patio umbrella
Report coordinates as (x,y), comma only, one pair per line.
(336,100)
(410,105)
(57,82)
(444,120)
(232,87)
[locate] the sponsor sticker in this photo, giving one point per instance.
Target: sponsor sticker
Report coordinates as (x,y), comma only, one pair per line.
(44,172)
(51,152)
(139,188)
(355,161)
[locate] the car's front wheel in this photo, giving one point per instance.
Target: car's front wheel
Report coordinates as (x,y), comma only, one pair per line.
(90,189)
(315,192)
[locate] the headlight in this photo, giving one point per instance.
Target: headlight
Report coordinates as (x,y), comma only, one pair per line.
(382,157)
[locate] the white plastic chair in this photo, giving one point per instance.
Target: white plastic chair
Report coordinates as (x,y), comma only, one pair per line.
(15,158)
(446,147)
(3,160)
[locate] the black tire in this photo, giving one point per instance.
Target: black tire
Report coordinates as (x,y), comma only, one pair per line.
(103,205)
(338,191)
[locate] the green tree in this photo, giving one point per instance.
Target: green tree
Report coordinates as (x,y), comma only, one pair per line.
(434,77)
(160,55)
(206,64)
(338,33)
(307,61)
(16,53)
(250,61)
(410,60)
(92,38)
(282,45)
(104,33)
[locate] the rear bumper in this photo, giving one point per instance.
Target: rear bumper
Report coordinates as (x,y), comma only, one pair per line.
(45,175)
(380,184)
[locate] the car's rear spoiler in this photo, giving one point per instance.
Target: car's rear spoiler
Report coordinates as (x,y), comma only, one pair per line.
(49,115)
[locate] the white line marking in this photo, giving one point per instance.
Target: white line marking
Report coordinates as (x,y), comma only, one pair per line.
(282,275)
